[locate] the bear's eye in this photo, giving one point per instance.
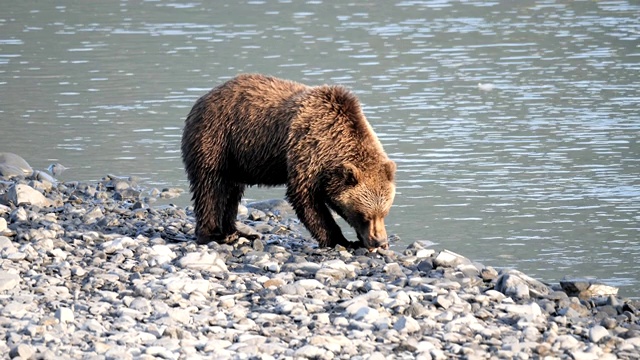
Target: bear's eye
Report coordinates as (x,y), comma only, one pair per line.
(363,218)
(350,179)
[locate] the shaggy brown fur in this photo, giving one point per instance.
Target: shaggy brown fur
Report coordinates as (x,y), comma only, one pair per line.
(260,130)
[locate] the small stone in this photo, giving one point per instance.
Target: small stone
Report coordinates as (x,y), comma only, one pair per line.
(309,284)
(488,273)
(278,206)
(8,280)
(160,352)
(3,224)
(406,324)
(512,283)
(273,283)
(258,245)
(209,261)
(566,342)
(22,351)
(586,288)
(597,333)
(609,323)
(443,302)
(425,253)
(425,265)
(449,259)
(64,315)
(311,352)
(272,267)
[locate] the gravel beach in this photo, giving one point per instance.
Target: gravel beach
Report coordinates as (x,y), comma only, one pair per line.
(98,271)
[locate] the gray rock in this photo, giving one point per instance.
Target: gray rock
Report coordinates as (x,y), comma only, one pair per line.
(513,282)
(406,324)
(44,177)
(488,273)
(9,172)
(305,269)
(587,288)
(278,206)
(449,259)
(426,265)
(22,351)
(20,194)
(246,229)
(15,163)
(171,193)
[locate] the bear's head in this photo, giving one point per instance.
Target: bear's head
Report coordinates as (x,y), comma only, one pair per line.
(364,200)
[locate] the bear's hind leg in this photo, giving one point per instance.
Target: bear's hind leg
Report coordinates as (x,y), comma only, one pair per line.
(215,203)
(230,214)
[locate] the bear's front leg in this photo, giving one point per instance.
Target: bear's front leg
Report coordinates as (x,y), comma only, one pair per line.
(317,218)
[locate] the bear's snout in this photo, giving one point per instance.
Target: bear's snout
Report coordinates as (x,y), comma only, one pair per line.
(377,237)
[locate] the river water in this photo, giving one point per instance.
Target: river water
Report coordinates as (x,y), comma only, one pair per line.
(514,124)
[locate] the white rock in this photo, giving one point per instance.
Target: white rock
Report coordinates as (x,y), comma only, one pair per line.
(495,295)
(634,341)
(93,325)
(363,313)
(338,265)
(3,224)
(161,352)
(162,254)
(182,316)
(209,261)
(424,253)
(597,333)
(312,352)
(112,246)
(448,258)
(8,280)
(64,315)
(59,254)
(531,311)
(272,267)
(332,343)
(310,284)
(227,301)
(566,342)
(22,351)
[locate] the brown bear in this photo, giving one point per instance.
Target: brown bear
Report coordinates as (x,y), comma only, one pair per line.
(261,130)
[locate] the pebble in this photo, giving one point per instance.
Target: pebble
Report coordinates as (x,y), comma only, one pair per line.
(406,324)
(64,315)
(127,281)
(8,280)
(597,333)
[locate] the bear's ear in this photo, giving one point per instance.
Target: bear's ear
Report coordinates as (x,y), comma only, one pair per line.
(390,170)
(350,174)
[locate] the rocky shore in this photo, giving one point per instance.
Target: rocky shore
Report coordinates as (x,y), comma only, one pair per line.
(95,271)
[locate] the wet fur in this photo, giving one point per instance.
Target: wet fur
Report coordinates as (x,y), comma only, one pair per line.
(260,130)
